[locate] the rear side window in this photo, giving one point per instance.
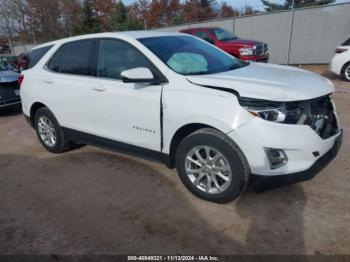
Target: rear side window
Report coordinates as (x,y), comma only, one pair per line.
(73,58)
(347,42)
(36,54)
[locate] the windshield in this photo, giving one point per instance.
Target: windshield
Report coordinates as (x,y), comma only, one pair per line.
(2,67)
(187,55)
(223,35)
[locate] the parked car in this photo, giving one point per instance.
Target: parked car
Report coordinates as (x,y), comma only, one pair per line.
(248,50)
(9,87)
(341,61)
(8,59)
(174,98)
(21,61)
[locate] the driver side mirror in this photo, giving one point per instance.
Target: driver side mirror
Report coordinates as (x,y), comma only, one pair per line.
(138,75)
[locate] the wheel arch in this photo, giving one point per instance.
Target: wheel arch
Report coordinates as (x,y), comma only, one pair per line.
(342,71)
(33,109)
(180,134)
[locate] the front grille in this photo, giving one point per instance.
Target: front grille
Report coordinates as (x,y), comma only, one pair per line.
(9,92)
(317,113)
(10,85)
(260,49)
(9,102)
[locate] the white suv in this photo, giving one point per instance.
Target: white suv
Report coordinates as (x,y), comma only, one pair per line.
(341,61)
(174,98)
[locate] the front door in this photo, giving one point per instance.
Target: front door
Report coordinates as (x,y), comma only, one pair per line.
(124,112)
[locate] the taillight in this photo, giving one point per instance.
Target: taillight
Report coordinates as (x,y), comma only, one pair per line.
(20,79)
(340,50)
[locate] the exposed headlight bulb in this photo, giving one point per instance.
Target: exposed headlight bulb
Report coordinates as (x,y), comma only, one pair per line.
(273,114)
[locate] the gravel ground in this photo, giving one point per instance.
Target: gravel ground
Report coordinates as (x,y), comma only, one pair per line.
(92,201)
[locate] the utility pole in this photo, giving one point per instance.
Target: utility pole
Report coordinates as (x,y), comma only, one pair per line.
(11,47)
(33,34)
(290,32)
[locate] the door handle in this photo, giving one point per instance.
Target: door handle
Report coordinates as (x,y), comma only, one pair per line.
(99,88)
(48,80)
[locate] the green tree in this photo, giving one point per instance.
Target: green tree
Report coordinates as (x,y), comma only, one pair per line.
(273,6)
(198,10)
(118,21)
(88,23)
(134,24)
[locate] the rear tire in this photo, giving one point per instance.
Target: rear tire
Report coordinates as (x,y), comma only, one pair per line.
(345,72)
(49,131)
(212,166)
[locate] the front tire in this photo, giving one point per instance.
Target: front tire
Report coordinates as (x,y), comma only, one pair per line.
(346,72)
(49,131)
(212,166)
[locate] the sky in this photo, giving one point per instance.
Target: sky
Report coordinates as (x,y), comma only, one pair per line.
(239,4)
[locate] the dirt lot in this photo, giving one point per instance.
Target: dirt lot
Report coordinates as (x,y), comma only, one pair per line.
(92,201)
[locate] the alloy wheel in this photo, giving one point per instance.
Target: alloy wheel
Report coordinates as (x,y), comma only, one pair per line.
(47,131)
(208,169)
(347,72)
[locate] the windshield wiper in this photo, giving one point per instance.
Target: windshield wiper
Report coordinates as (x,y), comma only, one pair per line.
(198,73)
(239,65)
(234,66)
(228,39)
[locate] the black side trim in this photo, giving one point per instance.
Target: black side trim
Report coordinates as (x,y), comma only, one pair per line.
(85,138)
(263,183)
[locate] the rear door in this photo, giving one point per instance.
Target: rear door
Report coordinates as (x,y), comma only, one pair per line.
(66,85)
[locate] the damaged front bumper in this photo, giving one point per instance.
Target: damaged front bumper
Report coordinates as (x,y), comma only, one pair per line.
(262,183)
(292,151)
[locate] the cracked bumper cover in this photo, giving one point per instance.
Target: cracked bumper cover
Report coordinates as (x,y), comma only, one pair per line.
(261,183)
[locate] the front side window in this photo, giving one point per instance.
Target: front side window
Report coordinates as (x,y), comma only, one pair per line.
(73,58)
(187,55)
(115,56)
(223,35)
(36,54)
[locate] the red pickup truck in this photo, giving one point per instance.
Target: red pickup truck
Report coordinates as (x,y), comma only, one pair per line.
(248,50)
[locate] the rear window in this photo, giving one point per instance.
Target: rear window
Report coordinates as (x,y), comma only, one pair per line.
(347,42)
(36,54)
(73,58)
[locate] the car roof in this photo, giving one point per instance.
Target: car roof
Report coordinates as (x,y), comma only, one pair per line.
(127,34)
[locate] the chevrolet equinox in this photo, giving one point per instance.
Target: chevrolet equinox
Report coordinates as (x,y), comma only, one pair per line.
(222,122)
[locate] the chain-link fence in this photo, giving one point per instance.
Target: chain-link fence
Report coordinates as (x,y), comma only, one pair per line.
(307,36)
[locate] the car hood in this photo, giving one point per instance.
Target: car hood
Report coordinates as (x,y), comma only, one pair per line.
(8,76)
(268,82)
(241,42)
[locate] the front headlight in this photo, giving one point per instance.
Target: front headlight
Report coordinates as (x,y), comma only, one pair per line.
(246,51)
(267,110)
(277,115)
